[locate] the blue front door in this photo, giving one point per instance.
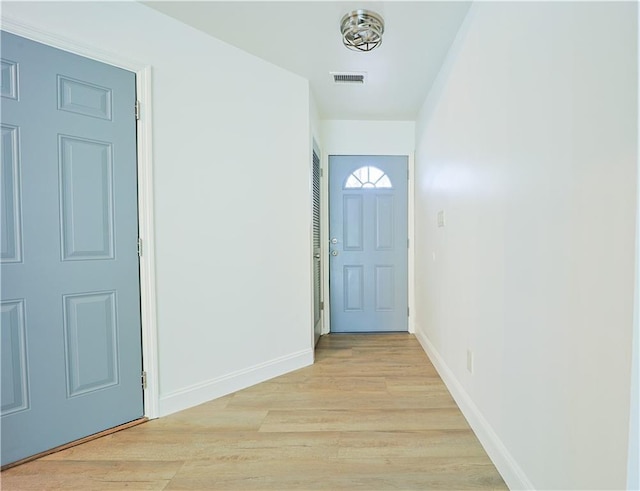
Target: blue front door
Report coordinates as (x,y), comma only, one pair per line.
(368,243)
(71,334)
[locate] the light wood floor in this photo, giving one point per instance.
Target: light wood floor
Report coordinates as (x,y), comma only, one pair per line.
(371,414)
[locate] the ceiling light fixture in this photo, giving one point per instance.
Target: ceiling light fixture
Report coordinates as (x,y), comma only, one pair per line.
(362,30)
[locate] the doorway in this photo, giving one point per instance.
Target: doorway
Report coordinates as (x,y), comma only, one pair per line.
(71,328)
(368,235)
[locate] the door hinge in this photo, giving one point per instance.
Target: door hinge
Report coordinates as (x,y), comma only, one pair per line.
(321,305)
(321,172)
(139,247)
(408,312)
(407,174)
(407,243)
(137,110)
(144,380)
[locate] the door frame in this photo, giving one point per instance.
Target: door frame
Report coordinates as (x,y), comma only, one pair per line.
(315,149)
(148,308)
(324,193)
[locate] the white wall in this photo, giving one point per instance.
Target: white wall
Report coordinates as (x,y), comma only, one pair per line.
(343,137)
(232,205)
(314,118)
(528,143)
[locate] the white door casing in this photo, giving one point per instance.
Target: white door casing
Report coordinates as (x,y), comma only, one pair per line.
(145,190)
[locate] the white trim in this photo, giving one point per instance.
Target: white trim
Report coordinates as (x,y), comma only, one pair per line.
(227,384)
(146,231)
(633,459)
(145,190)
(511,472)
(411,231)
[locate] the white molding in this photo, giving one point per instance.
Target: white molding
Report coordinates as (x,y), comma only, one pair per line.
(633,459)
(411,233)
(511,472)
(147,234)
(145,188)
(218,387)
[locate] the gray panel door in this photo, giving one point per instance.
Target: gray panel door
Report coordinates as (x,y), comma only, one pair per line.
(368,235)
(71,334)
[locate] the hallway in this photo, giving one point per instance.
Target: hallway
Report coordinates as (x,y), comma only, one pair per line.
(371,413)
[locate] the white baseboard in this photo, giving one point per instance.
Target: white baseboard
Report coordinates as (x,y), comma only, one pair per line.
(511,472)
(227,384)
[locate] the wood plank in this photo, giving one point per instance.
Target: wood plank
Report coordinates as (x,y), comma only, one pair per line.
(84,475)
(365,420)
(371,414)
(340,474)
(74,443)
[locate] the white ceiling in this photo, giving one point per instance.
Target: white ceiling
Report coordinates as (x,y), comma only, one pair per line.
(304,37)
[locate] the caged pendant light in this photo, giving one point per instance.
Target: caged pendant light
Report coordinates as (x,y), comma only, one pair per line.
(362,30)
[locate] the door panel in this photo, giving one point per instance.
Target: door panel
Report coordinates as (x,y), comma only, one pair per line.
(11,229)
(385,288)
(383,222)
(352,223)
(14,358)
(71,334)
(86,194)
(90,341)
(84,98)
(353,289)
(368,230)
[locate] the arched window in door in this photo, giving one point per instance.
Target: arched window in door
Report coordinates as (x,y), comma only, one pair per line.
(368,177)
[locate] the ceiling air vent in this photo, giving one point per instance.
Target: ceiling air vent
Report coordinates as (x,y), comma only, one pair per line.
(348,77)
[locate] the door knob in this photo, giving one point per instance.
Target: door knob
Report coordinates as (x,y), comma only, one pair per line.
(334,253)
(317,256)
(334,240)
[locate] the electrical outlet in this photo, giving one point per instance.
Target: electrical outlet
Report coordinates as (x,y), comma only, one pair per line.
(470,361)
(441,219)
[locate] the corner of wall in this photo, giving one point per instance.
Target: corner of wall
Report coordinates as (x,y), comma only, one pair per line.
(221,386)
(443,75)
